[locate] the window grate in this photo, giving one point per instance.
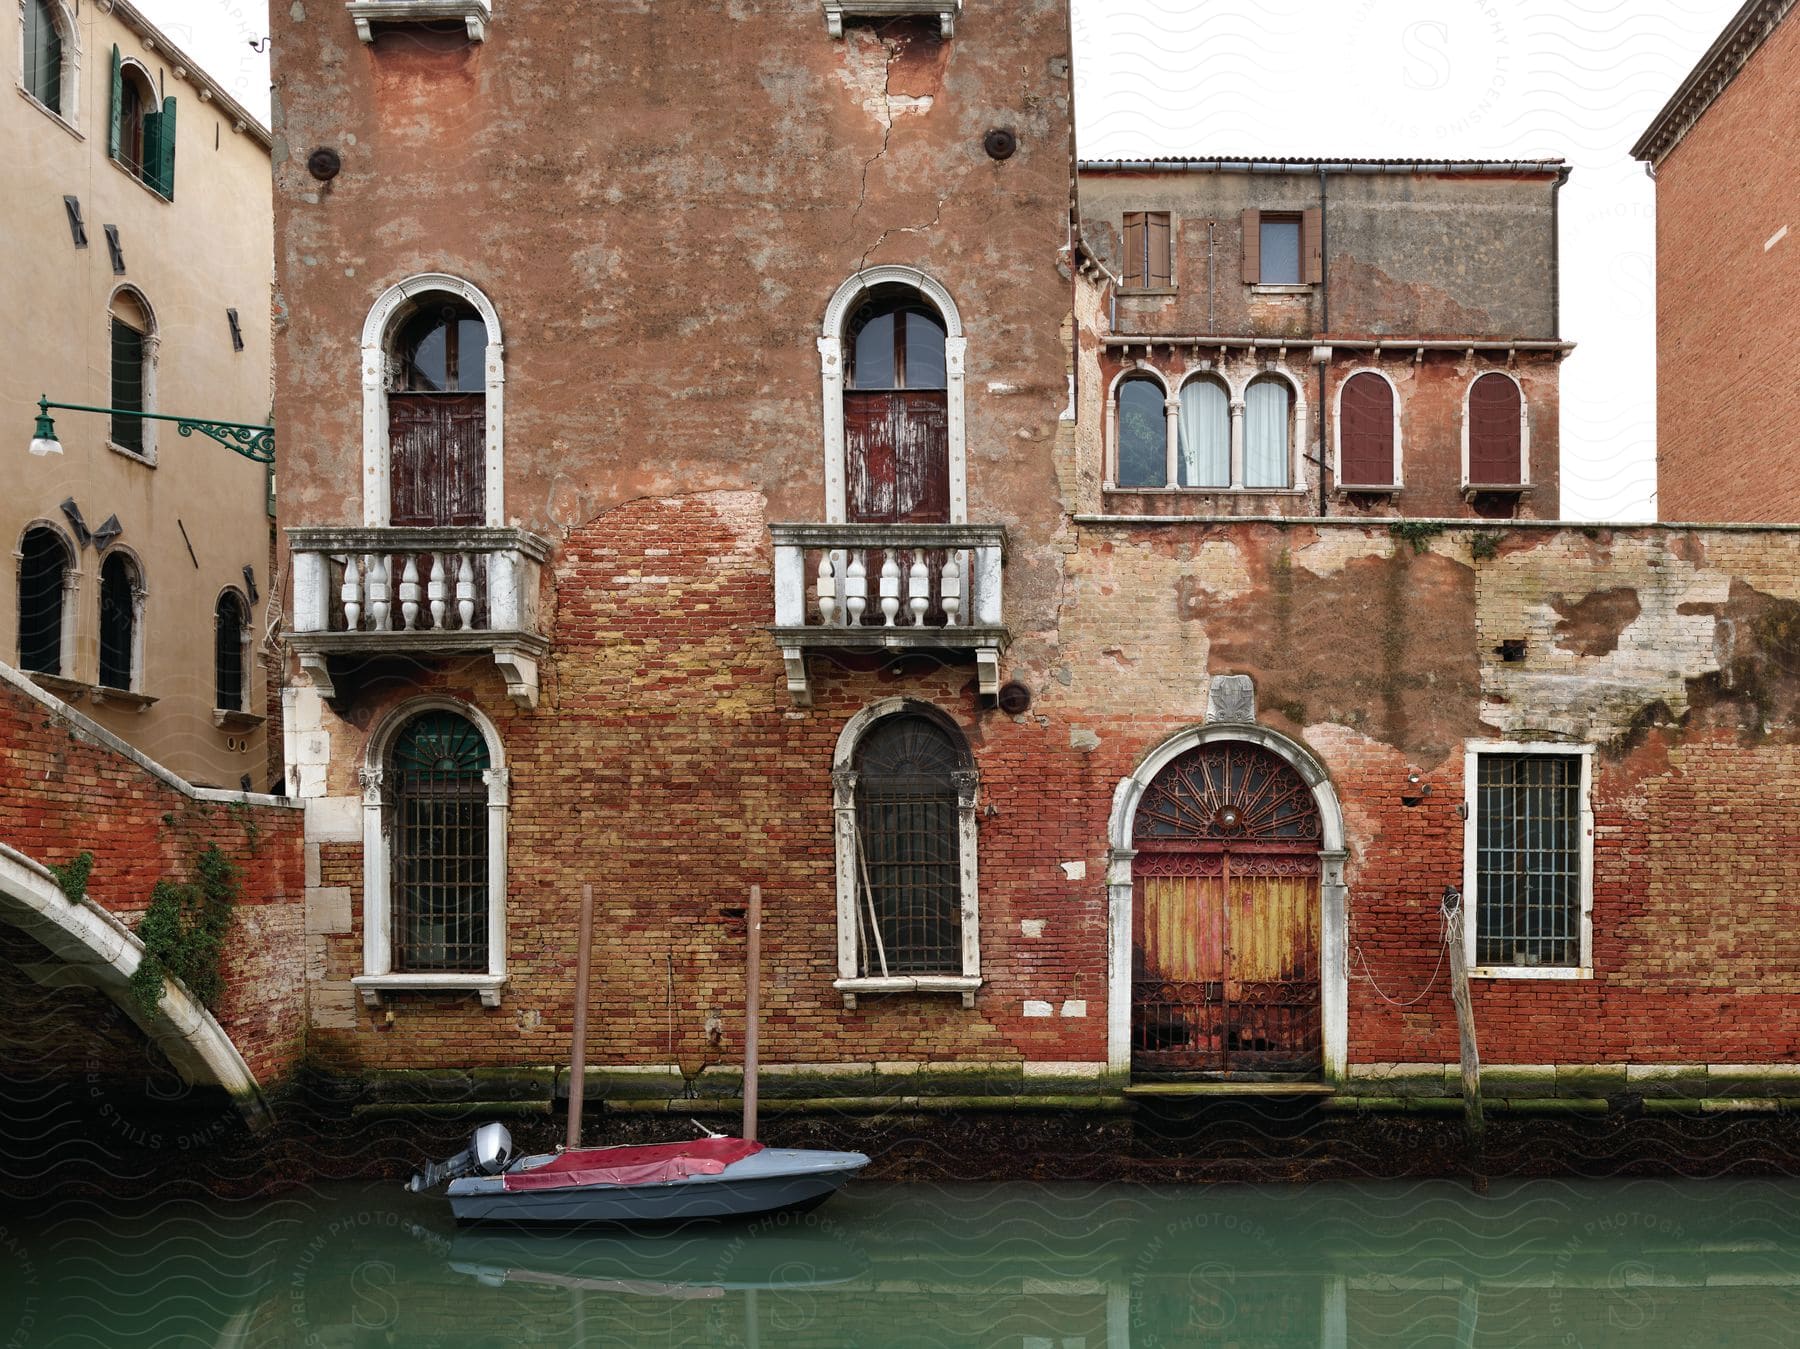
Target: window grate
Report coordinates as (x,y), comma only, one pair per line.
(1528,860)
(908,840)
(440,838)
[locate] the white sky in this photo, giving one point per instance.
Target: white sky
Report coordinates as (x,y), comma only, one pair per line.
(1476,79)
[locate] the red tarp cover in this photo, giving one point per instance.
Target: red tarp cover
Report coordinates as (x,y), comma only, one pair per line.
(643,1165)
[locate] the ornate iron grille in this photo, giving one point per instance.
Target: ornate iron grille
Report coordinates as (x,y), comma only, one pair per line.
(1528,860)
(1237,795)
(440,834)
(908,848)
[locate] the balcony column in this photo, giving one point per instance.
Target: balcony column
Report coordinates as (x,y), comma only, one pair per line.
(1172,471)
(1237,442)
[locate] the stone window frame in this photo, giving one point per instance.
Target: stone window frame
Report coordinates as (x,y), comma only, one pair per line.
(474,15)
(385,316)
(838,313)
(1237,381)
(849,891)
(152,355)
(1472,752)
(68,116)
(69,618)
(140,593)
(1524,428)
(1337,432)
(378,976)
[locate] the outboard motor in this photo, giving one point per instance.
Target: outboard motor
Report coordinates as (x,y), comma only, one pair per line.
(489,1153)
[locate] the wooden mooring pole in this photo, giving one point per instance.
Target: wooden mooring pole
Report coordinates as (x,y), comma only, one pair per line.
(752,1007)
(1465,1017)
(578,1041)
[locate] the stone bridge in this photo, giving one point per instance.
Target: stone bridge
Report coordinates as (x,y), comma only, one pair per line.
(70,786)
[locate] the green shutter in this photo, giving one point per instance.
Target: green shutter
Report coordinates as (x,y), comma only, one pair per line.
(162,163)
(118,97)
(151,150)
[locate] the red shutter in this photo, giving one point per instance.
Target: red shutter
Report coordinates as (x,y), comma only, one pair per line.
(1495,457)
(1312,260)
(1252,228)
(1158,268)
(1366,432)
(1134,249)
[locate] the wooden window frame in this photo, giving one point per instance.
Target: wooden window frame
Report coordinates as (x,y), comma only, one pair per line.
(378,976)
(1236,386)
(850,981)
(1472,754)
(1148,237)
(1312,262)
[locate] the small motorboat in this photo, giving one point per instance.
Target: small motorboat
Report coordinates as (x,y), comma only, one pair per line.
(704,1178)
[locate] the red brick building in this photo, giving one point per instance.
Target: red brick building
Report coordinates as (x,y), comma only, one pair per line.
(1728,276)
(702,470)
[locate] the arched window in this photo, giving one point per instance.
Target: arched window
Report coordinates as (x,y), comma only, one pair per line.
(121,591)
(131,326)
(1367,432)
(45,569)
(433,421)
(437,416)
(231,631)
(1494,432)
(896,410)
(907,912)
(142,135)
(434,854)
(1203,429)
(440,857)
(1268,416)
(46,37)
(1143,433)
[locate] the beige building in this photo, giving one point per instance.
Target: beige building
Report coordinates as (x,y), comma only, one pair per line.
(138,228)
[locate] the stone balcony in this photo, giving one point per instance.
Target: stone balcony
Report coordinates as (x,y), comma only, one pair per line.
(365,591)
(873,587)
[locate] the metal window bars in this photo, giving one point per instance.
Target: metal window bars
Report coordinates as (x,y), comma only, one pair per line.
(1528,860)
(440,839)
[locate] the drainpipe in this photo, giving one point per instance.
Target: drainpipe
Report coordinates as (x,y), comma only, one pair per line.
(1562,176)
(1325,326)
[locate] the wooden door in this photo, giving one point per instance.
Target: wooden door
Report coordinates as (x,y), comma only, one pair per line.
(437,448)
(897,455)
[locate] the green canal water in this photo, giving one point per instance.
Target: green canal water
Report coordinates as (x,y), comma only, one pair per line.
(1631,1263)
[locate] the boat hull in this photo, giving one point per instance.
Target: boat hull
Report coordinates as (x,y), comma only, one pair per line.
(774,1180)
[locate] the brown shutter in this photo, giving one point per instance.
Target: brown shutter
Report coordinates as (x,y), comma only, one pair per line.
(1158,268)
(1252,227)
(1134,248)
(1494,448)
(1312,259)
(1366,432)
(437,463)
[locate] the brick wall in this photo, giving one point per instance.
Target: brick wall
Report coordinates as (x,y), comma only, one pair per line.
(1728,301)
(67,790)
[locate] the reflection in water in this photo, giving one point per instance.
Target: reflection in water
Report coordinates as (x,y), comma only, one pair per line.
(1637,1263)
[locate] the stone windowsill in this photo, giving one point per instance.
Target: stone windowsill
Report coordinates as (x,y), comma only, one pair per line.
(965,984)
(230,720)
(474,15)
(136,456)
(1531,972)
(1281,288)
(372,986)
(1146,292)
(49,112)
(124,697)
(1496,489)
(69,690)
(1111,489)
(137,178)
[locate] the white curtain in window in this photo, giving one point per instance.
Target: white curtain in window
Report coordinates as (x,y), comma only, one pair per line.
(1203,428)
(1266,434)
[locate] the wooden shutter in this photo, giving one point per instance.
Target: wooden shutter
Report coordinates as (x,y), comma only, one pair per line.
(1158,270)
(437,464)
(115,249)
(1252,228)
(77,230)
(118,98)
(897,455)
(1134,249)
(1495,456)
(1366,432)
(1312,260)
(159,166)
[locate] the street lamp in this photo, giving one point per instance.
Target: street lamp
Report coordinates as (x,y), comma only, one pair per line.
(253,440)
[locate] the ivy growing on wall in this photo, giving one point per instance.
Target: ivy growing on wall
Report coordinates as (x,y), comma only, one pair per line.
(72,875)
(183,931)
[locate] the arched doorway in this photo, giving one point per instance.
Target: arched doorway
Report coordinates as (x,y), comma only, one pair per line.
(1225,934)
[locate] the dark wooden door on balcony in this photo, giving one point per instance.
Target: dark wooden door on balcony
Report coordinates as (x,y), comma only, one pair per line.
(897,415)
(437,420)
(1225,919)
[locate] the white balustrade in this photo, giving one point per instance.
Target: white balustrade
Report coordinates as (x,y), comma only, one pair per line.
(925,576)
(377,580)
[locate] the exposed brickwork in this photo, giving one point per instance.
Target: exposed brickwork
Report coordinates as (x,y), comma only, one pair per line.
(1728,301)
(63,793)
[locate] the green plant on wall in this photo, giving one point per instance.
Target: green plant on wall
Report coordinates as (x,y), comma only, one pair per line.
(1419,533)
(72,875)
(1484,545)
(184,929)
